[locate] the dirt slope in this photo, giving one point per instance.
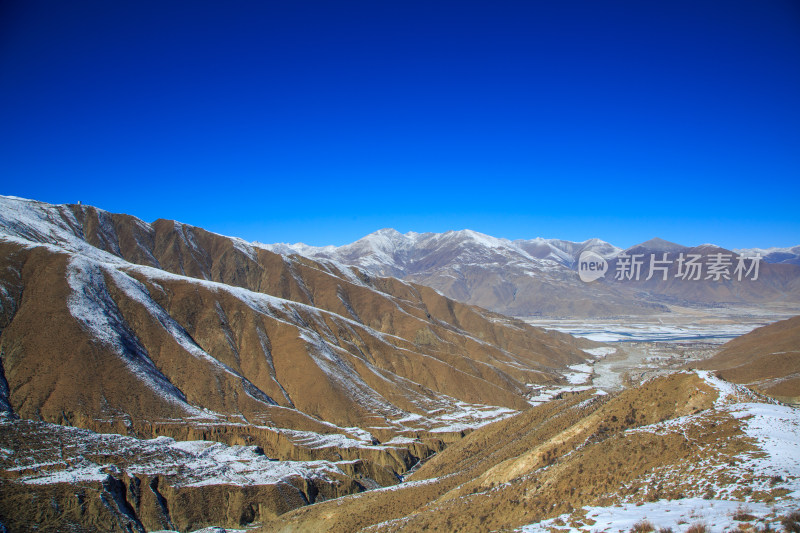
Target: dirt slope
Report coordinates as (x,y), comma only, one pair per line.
(680,436)
(766,359)
(121,327)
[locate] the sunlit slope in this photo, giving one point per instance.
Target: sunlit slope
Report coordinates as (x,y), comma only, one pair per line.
(680,436)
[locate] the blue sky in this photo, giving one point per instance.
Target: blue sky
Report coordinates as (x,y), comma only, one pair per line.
(323,121)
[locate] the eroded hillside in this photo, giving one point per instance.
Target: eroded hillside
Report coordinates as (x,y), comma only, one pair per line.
(143,330)
(674,438)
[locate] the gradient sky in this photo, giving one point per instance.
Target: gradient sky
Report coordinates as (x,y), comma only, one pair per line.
(323,121)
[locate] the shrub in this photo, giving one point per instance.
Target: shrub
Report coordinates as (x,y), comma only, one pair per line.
(742,514)
(791,522)
(642,526)
(698,527)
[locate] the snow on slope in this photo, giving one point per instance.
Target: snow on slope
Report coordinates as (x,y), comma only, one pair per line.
(678,515)
(92,305)
(389,252)
(37,224)
(187,463)
(789,255)
(771,428)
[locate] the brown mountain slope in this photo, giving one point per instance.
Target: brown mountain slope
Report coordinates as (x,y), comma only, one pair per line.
(679,436)
(115,325)
(775,282)
(766,359)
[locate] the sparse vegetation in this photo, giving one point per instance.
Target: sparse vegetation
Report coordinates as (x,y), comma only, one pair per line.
(698,527)
(642,526)
(627,380)
(791,522)
(742,514)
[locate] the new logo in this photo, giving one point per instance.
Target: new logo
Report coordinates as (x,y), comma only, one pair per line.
(591,266)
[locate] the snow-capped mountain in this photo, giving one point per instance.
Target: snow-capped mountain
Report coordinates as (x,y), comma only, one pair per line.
(118,326)
(389,252)
(538,277)
(520,278)
(789,256)
(566,252)
(165,297)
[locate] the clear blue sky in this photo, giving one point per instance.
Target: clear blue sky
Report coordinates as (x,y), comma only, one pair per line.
(323,121)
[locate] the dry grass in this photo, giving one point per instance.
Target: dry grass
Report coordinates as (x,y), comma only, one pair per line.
(698,527)
(742,514)
(642,526)
(791,522)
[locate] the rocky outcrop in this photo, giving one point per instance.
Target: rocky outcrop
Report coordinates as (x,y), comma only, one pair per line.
(60,478)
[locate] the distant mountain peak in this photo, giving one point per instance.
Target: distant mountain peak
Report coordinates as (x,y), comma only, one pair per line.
(389,232)
(657,243)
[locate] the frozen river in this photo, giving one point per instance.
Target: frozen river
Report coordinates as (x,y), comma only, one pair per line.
(709,326)
(642,347)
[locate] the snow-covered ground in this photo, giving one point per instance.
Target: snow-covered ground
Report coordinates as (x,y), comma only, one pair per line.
(72,455)
(678,515)
(469,416)
(651,332)
(774,431)
(208,530)
(601,351)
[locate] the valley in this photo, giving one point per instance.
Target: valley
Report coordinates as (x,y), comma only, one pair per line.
(645,347)
(160,377)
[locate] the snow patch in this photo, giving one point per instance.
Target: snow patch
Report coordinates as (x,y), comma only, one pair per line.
(679,515)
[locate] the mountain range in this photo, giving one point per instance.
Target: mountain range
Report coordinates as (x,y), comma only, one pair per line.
(538,277)
(167,331)
(789,255)
(161,377)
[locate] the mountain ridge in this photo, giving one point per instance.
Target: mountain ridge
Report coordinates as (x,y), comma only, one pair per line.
(160,376)
(152,301)
(538,278)
(165,330)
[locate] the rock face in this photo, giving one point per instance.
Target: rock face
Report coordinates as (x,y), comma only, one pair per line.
(63,478)
(766,359)
(684,437)
(538,277)
(117,326)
